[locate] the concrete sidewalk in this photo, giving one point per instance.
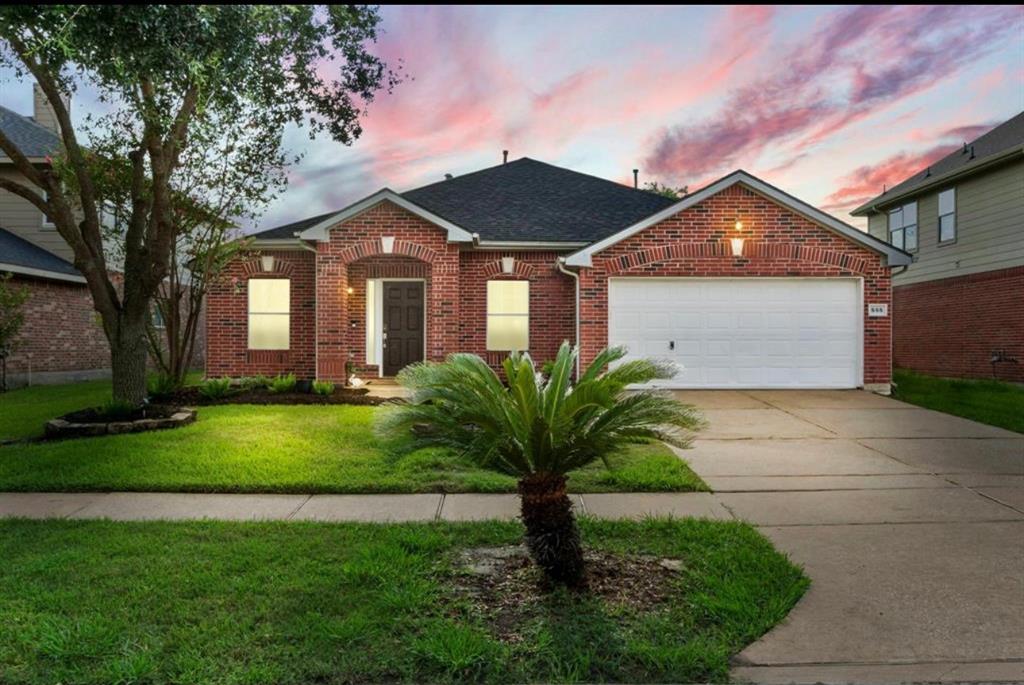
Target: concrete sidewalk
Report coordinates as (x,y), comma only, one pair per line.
(148,506)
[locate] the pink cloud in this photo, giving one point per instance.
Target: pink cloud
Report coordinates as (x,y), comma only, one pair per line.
(858,61)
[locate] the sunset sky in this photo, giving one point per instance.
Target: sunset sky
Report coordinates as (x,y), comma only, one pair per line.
(827,103)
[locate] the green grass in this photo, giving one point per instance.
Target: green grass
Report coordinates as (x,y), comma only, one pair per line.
(24,411)
(288,603)
(245,448)
(992,402)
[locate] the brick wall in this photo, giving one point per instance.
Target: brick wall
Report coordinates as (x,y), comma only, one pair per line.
(62,332)
(951,327)
(779,243)
(227,318)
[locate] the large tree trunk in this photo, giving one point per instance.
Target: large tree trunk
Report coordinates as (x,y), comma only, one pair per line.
(551,533)
(129,353)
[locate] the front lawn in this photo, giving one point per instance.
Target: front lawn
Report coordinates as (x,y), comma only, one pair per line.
(24,411)
(212,602)
(992,402)
(304,449)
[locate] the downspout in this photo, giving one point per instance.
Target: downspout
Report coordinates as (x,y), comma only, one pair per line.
(560,265)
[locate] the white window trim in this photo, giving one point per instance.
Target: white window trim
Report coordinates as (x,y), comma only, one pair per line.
(249,313)
(488,315)
(938,221)
(917,225)
(46,223)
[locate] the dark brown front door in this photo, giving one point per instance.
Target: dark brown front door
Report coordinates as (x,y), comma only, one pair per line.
(403,325)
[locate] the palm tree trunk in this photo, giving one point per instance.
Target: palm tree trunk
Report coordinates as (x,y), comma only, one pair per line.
(551,533)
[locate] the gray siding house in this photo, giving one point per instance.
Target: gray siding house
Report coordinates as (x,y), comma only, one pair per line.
(958,310)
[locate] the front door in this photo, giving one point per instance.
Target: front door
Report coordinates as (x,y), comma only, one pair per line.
(403,325)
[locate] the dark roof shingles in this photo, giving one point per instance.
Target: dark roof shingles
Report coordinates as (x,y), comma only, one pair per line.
(17,251)
(32,139)
(524,200)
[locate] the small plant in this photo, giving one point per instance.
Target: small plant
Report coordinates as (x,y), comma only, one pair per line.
(215,388)
(282,384)
(253,382)
(323,388)
(162,385)
(117,410)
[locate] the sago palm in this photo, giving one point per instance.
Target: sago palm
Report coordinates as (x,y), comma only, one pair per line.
(538,428)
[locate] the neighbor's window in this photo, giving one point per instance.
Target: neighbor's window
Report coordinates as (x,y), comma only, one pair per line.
(46,220)
(903,227)
(508,315)
(269,313)
(947,215)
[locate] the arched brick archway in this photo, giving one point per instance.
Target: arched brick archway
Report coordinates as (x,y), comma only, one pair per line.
(752,251)
(383,242)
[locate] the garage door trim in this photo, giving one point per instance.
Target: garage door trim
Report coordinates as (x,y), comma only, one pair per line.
(857,280)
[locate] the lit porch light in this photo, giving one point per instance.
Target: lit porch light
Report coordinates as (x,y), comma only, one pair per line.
(737,243)
(350,290)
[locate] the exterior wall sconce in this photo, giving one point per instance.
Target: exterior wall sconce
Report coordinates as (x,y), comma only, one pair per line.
(267,262)
(387,244)
(737,243)
(350,290)
(508,265)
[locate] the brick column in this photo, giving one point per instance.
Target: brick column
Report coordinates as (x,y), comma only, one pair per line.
(331,314)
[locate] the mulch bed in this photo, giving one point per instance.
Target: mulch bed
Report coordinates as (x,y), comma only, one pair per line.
(504,585)
(192,397)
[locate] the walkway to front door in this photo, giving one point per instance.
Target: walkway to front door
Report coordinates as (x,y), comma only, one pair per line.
(403,325)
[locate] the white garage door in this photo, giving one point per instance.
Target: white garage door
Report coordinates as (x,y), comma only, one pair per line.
(742,332)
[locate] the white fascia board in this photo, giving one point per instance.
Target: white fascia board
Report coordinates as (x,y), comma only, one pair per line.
(894,256)
(40,273)
(529,245)
(456,234)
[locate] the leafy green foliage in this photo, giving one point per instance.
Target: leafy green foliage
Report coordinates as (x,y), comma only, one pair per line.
(117,410)
(665,190)
(323,387)
(287,602)
(162,385)
(282,384)
(215,388)
(537,424)
(253,382)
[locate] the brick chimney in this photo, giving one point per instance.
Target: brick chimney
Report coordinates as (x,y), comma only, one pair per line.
(42,112)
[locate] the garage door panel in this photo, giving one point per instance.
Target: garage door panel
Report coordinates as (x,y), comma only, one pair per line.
(742,332)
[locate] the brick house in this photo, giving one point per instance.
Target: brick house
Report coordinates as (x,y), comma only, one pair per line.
(739,283)
(61,339)
(958,310)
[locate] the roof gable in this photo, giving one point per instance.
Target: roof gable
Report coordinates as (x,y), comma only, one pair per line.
(1006,138)
(895,256)
(18,255)
(33,140)
(320,229)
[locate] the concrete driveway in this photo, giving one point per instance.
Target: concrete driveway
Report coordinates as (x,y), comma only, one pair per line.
(909,522)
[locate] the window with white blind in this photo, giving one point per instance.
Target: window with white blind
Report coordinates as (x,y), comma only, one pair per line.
(508,316)
(947,216)
(903,227)
(269,313)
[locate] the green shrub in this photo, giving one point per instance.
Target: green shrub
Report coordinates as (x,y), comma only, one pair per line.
(253,382)
(161,385)
(323,387)
(117,410)
(282,384)
(215,388)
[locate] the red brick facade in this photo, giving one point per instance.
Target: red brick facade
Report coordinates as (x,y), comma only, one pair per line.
(328,330)
(779,243)
(953,326)
(62,333)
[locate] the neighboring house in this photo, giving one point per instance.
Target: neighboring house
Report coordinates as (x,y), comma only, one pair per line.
(61,339)
(959,308)
(742,284)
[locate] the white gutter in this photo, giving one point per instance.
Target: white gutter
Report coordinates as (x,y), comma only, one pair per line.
(529,245)
(560,265)
(41,273)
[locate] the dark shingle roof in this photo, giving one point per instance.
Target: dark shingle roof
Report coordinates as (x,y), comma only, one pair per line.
(524,200)
(17,251)
(527,200)
(1006,136)
(32,139)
